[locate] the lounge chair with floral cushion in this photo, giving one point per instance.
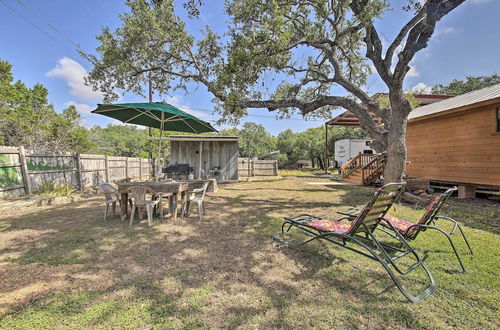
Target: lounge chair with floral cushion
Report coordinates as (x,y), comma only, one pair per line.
(358,236)
(429,219)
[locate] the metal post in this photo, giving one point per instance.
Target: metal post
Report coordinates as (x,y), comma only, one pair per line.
(326,149)
(150,130)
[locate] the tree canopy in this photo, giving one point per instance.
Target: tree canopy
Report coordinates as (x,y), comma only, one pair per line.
(471,83)
(311,47)
(27,119)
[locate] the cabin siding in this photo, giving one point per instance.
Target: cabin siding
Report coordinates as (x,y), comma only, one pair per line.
(463,147)
(222,154)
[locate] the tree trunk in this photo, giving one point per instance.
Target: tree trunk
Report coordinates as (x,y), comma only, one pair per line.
(396,149)
(320,163)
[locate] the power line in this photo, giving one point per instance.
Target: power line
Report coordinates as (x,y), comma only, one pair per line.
(35,26)
(43,20)
(40,18)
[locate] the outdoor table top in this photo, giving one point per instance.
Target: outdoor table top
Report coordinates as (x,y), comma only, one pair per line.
(160,186)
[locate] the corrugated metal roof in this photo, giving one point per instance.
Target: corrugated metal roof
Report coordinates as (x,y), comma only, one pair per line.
(480,95)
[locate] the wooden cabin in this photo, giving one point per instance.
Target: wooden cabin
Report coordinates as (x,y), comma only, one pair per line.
(457,140)
(450,140)
(209,156)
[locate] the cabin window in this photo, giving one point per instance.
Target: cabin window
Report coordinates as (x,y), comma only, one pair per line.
(498,119)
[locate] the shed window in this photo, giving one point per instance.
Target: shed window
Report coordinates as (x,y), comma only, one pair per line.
(498,119)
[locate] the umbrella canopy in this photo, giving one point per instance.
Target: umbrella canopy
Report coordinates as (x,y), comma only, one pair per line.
(163,116)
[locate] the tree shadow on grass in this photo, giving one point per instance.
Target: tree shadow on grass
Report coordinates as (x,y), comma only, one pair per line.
(224,271)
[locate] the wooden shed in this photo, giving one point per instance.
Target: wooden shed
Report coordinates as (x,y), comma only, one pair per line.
(206,154)
(457,140)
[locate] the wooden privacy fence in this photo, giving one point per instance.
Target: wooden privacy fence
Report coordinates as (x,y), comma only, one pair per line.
(255,167)
(25,171)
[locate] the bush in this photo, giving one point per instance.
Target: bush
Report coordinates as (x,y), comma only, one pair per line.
(51,189)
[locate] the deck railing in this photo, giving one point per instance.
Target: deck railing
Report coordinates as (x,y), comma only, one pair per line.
(372,170)
(357,162)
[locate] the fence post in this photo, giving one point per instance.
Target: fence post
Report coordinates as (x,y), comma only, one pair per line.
(106,167)
(275,167)
(79,172)
(126,168)
(24,171)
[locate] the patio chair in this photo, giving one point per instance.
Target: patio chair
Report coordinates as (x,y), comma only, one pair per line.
(358,236)
(140,202)
(410,230)
(111,195)
(198,196)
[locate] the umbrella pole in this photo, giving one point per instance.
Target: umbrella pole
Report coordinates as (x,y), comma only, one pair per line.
(159,147)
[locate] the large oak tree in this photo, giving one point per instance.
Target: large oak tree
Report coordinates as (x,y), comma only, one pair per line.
(309,47)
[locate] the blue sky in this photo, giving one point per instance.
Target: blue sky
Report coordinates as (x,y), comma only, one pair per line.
(466,42)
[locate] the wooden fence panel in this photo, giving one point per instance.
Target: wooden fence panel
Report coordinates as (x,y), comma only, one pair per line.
(48,168)
(11,177)
(23,172)
(117,168)
(255,167)
(93,170)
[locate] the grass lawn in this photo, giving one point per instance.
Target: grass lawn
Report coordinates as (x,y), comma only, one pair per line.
(64,267)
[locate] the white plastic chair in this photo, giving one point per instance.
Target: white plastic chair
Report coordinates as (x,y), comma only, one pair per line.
(111,195)
(200,200)
(140,202)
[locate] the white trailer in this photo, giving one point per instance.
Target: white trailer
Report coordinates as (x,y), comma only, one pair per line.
(347,149)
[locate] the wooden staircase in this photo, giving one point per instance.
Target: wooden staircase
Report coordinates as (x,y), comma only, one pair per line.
(363,169)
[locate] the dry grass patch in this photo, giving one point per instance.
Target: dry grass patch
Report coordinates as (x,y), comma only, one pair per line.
(63,266)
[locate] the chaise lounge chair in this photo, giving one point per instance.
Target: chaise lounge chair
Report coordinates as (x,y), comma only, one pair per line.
(411,230)
(358,236)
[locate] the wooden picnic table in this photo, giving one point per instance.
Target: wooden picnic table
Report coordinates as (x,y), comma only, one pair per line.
(175,188)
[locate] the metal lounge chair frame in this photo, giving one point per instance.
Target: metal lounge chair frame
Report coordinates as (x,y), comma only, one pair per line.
(428,221)
(369,246)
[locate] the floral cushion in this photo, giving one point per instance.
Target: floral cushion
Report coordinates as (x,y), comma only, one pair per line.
(398,224)
(330,225)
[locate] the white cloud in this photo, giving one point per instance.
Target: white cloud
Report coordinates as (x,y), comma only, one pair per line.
(421,88)
(413,72)
(82,108)
(74,73)
(176,100)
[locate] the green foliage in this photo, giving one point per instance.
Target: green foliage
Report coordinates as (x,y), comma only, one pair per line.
(471,83)
(42,166)
(29,120)
(9,176)
(51,189)
(264,38)
(121,140)
(310,144)
(255,141)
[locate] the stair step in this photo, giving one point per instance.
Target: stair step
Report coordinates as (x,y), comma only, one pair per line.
(353,181)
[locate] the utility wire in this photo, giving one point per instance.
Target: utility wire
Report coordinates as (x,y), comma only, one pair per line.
(40,18)
(43,20)
(35,26)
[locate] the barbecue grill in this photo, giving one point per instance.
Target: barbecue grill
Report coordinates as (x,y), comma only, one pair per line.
(175,171)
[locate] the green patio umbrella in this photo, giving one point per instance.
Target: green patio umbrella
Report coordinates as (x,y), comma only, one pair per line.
(163,116)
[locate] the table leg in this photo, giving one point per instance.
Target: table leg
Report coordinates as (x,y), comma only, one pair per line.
(173,206)
(183,202)
(124,205)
